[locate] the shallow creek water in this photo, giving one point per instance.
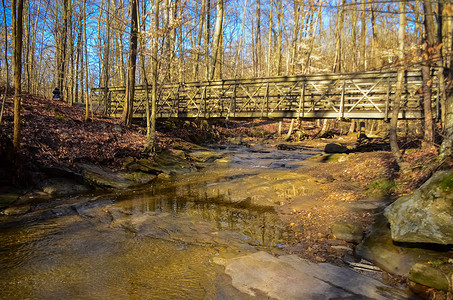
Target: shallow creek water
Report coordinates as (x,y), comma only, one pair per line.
(151,243)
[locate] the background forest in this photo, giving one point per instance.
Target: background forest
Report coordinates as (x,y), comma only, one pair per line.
(79,44)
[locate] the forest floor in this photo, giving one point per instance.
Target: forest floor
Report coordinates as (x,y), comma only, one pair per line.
(55,134)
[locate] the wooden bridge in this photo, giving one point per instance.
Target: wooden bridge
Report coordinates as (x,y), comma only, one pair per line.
(365,95)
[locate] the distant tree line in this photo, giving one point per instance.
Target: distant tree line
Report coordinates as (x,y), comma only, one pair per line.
(78,44)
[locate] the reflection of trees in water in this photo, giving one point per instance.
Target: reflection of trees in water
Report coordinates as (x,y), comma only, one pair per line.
(260,223)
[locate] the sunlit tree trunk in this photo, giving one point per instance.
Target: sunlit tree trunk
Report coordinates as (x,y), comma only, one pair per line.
(207,39)
(17,9)
(337,60)
(87,97)
(217,37)
(258,38)
(143,67)
(106,56)
(197,60)
(269,39)
(151,143)
(354,37)
(280,15)
(295,38)
(446,151)
(399,86)
(362,35)
(239,49)
(426,76)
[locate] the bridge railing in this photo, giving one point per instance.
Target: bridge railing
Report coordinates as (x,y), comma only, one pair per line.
(366,95)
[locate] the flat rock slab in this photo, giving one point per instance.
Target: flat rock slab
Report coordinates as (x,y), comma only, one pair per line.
(291,277)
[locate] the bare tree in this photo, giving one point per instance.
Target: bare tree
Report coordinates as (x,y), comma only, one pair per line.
(17,10)
(6,63)
(87,97)
(151,143)
(130,86)
(399,86)
(217,38)
(426,69)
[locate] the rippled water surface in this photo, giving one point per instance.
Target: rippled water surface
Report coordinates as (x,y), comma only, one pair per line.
(153,243)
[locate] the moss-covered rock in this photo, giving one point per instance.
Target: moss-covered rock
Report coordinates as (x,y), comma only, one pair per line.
(205,156)
(426,216)
(432,276)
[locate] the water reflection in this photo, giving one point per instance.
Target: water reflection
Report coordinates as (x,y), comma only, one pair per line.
(73,249)
(260,224)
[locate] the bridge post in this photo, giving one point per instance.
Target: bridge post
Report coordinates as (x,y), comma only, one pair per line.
(387,101)
(301,101)
(267,100)
(341,111)
(204,96)
(438,108)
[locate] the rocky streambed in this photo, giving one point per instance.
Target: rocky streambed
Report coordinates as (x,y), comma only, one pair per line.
(230,223)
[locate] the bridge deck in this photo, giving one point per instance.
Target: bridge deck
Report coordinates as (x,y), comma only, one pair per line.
(356,96)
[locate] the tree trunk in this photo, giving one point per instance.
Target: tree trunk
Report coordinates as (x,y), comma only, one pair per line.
(324,129)
(207,38)
(17,9)
(363,35)
(280,15)
(106,57)
(269,39)
(130,86)
(151,143)
(6,62)
(87,97)
(63,44)
(426,76)
(258,38)
(145,77)
(296,30)
(217,38)
(446,151)
(290,130)
(238,53)
(337,61)
(399,86)
(199,36)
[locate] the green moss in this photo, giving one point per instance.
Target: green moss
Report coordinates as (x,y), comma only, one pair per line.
(59,117)
(381,187)
(447,183)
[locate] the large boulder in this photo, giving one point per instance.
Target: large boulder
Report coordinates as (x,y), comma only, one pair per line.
(426,216)
(335,148)
(379,248)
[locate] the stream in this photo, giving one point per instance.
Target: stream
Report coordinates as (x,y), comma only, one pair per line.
(157,242)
